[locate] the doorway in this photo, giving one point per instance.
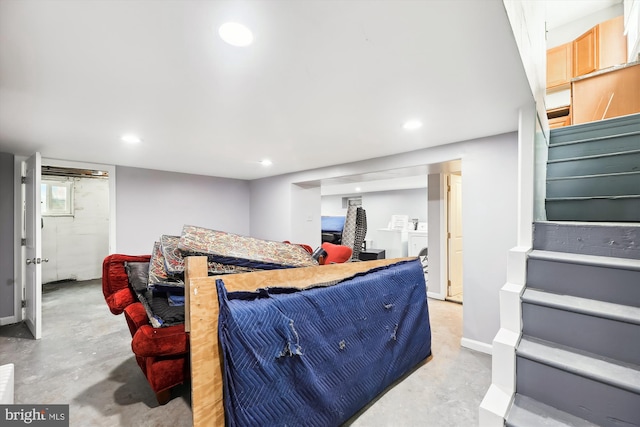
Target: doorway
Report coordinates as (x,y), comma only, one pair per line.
(29,285)
(75,223)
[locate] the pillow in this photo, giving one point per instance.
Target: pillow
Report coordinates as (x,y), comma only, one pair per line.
(138,273)
(336,253)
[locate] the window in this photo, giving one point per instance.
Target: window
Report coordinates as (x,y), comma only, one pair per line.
(56,197)
(351,201)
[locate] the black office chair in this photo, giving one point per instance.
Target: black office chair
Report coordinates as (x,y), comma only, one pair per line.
(355,230)
(424,259)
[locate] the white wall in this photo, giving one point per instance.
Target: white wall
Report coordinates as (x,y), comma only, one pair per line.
(489,222)
(527,23)
(489,185)
(76,245)
(380,205)
(304,207)
(632,29)
(151,203)
(572,30)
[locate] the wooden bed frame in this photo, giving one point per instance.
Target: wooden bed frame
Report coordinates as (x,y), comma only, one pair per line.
(201,321)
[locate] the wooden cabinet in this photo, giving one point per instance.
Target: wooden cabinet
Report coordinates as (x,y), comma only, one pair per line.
(585,53)
(608,94)
(603,46)
(612,43)
(559,67)
(559,117)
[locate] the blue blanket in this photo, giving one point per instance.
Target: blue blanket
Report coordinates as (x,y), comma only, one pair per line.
(317,356)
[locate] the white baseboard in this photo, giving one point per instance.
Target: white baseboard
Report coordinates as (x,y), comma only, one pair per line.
(435,295)
(9,320)
(476,345)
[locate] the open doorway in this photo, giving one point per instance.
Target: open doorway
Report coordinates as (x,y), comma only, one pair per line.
(393,187)
(75,223)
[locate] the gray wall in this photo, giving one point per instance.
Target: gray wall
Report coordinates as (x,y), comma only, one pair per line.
(489,178)
(150,203)
(7,230)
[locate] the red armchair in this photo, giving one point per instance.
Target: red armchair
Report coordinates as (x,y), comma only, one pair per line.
(161,353)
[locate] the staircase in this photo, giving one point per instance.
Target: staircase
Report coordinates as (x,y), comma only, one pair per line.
(578,359)
(593,172)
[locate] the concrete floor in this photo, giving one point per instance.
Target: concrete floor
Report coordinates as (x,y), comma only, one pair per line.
(84,359)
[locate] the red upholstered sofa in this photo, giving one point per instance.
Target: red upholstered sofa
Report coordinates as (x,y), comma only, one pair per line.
(162,353)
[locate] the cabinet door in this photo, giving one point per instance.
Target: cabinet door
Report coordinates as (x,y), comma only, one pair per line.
(585,53)
(612,43)
(559,65)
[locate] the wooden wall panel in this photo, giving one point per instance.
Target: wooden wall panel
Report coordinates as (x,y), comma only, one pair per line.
(610,94)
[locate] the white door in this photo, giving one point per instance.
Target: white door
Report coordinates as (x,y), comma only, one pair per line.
(33,235)
(455,236)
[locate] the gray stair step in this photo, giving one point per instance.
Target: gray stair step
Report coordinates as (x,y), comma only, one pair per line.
(599,390)
(528,412)
(594,146)
(602,239)
(591,307)
(613,184)
(614,280)
(585,259)
(625,161)
(599,209)
(602,328)
(617,125)
(620,375)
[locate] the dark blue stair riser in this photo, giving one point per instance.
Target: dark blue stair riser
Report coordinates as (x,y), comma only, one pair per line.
(610,338)
(622,162)
(594,401)
(595,210)
(626,124)
(598,185)
(613,285)
(617,144)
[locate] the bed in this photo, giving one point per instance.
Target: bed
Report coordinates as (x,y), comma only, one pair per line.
(396,341)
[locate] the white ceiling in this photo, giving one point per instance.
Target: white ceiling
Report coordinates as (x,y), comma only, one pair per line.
(325,82)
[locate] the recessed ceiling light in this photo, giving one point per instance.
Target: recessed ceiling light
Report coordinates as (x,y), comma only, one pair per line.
(236,34)
(265,162)
(358,189)
(131,138)
(412,124)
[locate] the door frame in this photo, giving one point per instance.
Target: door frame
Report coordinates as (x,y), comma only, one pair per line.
(19,195)
(33,234)
(450,262)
